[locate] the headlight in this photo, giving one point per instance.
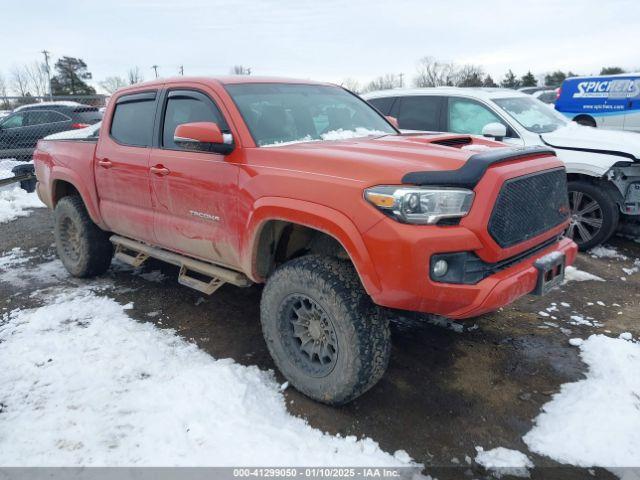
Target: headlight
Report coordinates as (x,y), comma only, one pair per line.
(421,205)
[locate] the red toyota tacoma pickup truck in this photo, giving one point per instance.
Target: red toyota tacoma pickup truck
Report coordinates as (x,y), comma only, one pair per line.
(305,187)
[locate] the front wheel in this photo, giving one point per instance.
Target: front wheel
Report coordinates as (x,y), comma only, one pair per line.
(594,214)
(322,330)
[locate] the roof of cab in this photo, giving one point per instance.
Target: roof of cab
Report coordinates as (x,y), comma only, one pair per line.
(480,92)
(221,80)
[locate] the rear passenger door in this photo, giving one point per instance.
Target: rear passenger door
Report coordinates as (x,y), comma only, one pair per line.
(422,113)
(122,166)
(194,192)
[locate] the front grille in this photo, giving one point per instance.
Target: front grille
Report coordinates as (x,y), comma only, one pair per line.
(528,206)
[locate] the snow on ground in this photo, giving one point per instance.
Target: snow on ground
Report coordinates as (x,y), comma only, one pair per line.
(81,383)
(595,421)
(503,461)
(602,251)
(14,269)
(15,202)
(572,274)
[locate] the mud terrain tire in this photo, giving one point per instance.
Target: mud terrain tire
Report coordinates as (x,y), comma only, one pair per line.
(327,292)
(85,249)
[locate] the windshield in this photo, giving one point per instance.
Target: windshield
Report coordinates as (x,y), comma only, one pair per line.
(532,114)
(280,113)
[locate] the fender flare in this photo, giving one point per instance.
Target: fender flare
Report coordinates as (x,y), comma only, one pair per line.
(64,174)
(312,215)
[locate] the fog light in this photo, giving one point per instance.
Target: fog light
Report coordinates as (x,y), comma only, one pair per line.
(440,268)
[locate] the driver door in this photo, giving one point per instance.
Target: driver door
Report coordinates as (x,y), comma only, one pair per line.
(194,193)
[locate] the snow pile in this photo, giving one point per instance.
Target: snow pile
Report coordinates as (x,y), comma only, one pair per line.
(333,135)
(602,251)
(572,274)
(81,383)
(504,461)
(14,202)
(595,421)
(341,134)
(14,269)
(91,131)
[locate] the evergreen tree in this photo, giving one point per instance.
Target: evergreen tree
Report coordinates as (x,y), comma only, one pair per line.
(510,80)
(556,78)
(488,82)
(71,74)
(528,80)
(611,71)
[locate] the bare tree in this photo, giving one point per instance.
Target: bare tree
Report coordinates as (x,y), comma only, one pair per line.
(351,84)
(240,70)
(135,76)
(468,76)
(432,73)
(384,82)
(3,93)
(111,84)
(19,81)
(38,80)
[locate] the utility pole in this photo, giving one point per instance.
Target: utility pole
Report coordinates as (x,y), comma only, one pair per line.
(155,69)
(46,63)
(182,70)
(401,75)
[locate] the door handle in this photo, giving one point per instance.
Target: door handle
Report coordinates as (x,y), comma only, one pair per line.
(105,163)
(160,170)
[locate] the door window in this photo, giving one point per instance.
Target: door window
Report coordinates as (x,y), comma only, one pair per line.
(13,121)
(383,104)
(188,107)
(470,117)
(133,117)
(420,113)
(42,117)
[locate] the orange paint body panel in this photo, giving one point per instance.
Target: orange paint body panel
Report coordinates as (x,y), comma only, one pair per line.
(214,207)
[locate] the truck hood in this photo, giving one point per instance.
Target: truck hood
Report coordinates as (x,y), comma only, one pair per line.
(578,137)
(387,158)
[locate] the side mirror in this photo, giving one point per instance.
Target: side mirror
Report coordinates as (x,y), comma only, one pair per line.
(203,137)
(494,130)
(393,121)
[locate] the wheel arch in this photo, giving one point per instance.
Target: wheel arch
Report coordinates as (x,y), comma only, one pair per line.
(65,182)
(280,229)
(608,187)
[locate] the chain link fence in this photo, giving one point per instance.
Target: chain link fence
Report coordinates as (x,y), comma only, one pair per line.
(25,120)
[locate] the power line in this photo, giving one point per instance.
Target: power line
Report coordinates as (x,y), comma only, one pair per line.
(46,62)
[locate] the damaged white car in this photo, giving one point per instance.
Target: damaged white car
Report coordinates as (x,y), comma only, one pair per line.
(603,166)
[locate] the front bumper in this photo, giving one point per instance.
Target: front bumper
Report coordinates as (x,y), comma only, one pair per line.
(402,253)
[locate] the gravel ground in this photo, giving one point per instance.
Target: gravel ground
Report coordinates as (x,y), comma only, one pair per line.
(445,391)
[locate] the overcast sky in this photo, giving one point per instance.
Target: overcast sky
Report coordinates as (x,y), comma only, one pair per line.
(322,39)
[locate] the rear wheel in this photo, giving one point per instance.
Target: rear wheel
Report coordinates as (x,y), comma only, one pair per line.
(322,330)
(585,120)
(594,214)
(85,249)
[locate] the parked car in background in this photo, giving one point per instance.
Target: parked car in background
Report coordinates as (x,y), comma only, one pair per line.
(602,166)
(606,101)
(547,96)
(21,130)
(305,187)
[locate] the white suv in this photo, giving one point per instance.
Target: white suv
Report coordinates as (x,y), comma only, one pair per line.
(603,166)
